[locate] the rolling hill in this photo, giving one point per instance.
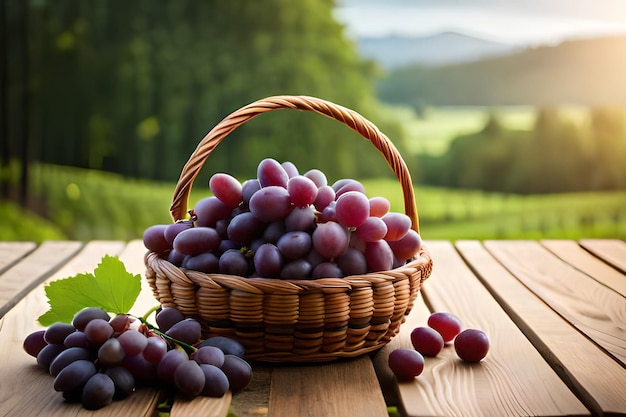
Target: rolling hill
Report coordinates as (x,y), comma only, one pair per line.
(440,49)
(576,72)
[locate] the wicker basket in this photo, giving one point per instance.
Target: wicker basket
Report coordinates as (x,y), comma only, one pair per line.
(293,320)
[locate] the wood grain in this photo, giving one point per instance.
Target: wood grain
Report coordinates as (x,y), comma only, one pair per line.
(11,252)
(612,251)
(513,380)
(572,253)
(338,389)
(25,389)
(597,311)
(18,280)
(596,378)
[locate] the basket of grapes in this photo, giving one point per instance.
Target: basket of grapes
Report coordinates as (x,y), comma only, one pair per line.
(295,268)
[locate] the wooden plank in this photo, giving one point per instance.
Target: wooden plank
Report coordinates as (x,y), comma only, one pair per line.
(11,252)
(133,258)
(572,253)
(25,389)
(613,251)
(594,309)
(338,389)
(388,383)
(18,280)
(513,380)
(595,377)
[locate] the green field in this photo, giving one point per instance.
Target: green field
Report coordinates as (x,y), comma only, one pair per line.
(437,126)
(87,205)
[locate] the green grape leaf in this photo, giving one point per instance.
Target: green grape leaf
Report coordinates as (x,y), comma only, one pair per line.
(110,288)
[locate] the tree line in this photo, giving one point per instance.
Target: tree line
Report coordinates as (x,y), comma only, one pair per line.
(132,87)
(557,155)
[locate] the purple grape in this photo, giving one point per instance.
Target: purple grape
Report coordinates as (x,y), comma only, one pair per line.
(123,380)
(68,356)
(57,332)
(204,262)
(379,206)
(317,176)
(352,262)
(172,230)
(297,269)
(189,378)
(244,228)
(233,262)
(300,219)
(268,261)
(406,364)
(294,245)
(472,345)
(187,331)
(208,355)
(271,203)
(197,240)
(329,214)
(209,210)
(98,331)
(132,342)
(271,173)
(238,372)
(34,342)
(371,230)
(379,256)
(398,225)
(408,246)
(225,344)
(166,368)
(155,349)
(167,317)
(248,188)
(98,392)
(48,354)
(85,315)
(216,382)
(353,209)
(111,352)
(447,324)
(427,341)
(344,186)
(140,368)
(325,195)
(290,168)
(327,270)
(274,231)
(330,239)
(227,189)
(302,191)
(154,238)
(74,375)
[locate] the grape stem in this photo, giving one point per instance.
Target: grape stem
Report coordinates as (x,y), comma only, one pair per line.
(144,320)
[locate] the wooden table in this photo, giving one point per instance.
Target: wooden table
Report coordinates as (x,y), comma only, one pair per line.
(555,312)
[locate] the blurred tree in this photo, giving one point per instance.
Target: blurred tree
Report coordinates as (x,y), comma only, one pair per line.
(132,87)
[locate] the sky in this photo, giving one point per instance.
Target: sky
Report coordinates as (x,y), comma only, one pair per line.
(515,22)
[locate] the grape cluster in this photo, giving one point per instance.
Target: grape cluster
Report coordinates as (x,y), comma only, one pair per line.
(283,224)
(97,358)
(471,345)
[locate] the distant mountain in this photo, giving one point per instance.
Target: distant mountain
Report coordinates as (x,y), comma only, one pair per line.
(582,72)
(440,49)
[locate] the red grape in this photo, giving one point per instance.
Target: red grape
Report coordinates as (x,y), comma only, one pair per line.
(406,364)
(427,341)
(447,324)
(471,345)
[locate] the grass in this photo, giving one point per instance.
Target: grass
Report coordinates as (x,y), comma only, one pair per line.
(434,130)
(87,205)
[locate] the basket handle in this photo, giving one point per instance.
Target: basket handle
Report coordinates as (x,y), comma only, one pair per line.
(350,118)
